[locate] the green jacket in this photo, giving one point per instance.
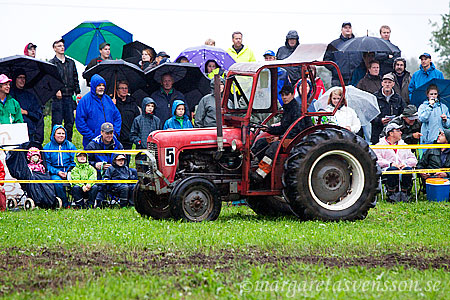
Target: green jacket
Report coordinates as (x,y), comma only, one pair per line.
(245,55)
(10,111)
(83,172)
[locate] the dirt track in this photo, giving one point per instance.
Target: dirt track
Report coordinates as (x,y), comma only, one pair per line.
(73,265)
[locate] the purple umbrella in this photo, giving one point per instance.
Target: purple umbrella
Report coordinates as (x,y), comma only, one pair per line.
(201,54)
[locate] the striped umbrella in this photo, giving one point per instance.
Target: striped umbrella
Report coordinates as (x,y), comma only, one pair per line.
(83,41)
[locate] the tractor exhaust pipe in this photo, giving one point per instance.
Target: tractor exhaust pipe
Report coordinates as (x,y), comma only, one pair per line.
(218,99)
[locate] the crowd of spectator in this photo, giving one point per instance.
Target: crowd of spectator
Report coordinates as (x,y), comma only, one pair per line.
(119,123)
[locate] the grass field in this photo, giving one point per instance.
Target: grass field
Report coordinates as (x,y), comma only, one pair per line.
(398,252)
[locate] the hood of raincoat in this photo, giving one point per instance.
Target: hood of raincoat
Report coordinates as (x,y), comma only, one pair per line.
(52,138)
(292,34)
(95,81)
(211,84)
(146,101)
(177,103)
(80,165)
(115,157)
(33,151)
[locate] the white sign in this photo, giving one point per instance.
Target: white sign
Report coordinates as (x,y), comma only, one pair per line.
(13,134)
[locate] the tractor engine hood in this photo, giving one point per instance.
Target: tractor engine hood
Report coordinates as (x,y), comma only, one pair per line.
(193,138)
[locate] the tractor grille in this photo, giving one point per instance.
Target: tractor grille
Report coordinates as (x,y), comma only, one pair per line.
(153,148)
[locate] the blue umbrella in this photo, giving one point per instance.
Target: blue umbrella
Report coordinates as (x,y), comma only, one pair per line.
(201,54)
(83,41)
(419,94)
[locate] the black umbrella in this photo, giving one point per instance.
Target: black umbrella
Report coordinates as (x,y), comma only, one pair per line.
(116,70)
(367,44)
(133,51)
(42,78)
(187,77)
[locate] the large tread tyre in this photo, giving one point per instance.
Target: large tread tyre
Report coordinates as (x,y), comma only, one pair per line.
(195,199)
(332,175)
(270,206)
(148,204)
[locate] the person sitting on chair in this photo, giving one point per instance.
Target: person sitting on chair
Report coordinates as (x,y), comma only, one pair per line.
(437,158)
(291,112)
(394,160)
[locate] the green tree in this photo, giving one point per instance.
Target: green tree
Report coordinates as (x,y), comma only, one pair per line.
(440,41)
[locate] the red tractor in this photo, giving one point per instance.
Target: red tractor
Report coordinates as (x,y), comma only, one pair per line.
(326,172)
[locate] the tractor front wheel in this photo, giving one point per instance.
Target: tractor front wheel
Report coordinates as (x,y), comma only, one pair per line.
(195,199)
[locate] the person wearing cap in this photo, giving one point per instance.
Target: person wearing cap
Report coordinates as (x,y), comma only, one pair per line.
(426,72)
(105,53)
(402,78)
(105,141)
(59,163)
(161,57)
(394,160)
(63,104)
(81,191)
(30,50)
(9,107)
(291,112)
(29,105)
(391,105)
(386,59)
(434,116)
(291,43)
(347,62)
(118,171)
(238,51)
(165,97)
(409,121)
(283,78)
(371,82)
(94,109)
(437,158)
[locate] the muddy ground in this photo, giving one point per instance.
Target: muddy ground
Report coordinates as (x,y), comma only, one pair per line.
(76,265)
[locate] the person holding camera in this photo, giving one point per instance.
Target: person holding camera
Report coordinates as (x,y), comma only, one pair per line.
(434,115)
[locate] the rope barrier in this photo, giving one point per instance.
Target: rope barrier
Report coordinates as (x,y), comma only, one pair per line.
(68,181)
(82,151)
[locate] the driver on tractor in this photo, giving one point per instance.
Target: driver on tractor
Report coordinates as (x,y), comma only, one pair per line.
(265,148)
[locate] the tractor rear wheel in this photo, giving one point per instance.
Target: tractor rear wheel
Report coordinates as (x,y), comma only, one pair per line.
(148,204)
(332,174)
(270,206)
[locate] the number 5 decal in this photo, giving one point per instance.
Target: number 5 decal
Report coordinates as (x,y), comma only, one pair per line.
(170,156)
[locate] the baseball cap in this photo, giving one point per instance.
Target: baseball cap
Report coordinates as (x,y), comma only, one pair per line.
(269,52)
(81,153)
(427,55)
(410,112)
(392,126)
(120,156)
(163,54)
(346,23)
(107,127)
(31,45)
(103,45)
(4,79)
(388,76)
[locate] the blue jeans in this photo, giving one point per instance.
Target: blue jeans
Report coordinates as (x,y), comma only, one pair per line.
(394,180)
(124,191)
(59,189)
